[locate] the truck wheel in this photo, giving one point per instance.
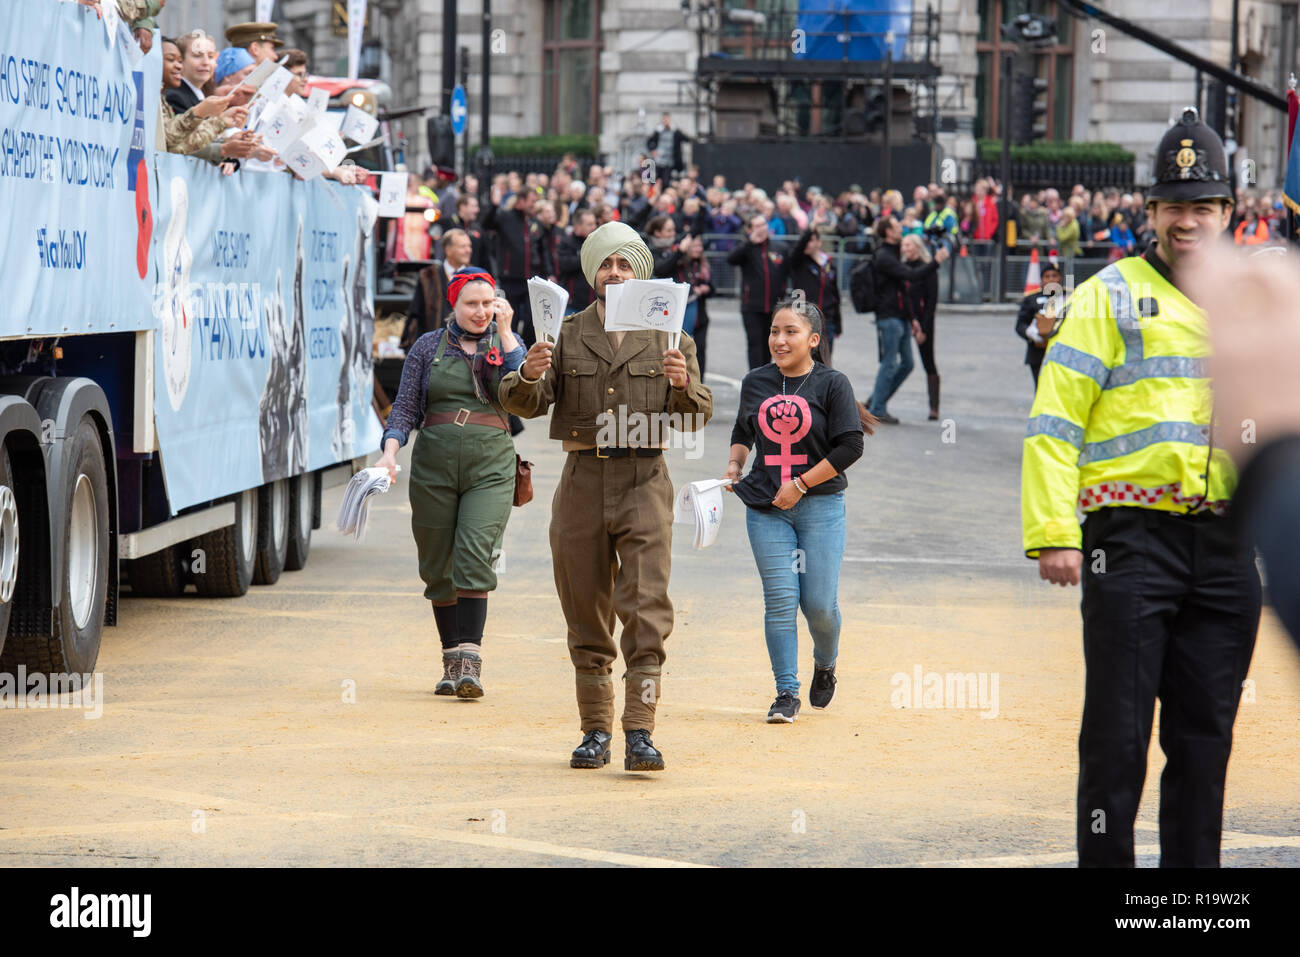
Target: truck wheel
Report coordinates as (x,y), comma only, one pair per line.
(83,587)
(224,568)
(295,558)
(160,575)
(9,542)
(272,531)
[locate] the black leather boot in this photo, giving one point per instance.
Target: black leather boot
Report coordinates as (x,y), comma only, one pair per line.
(593,752)
(641,754)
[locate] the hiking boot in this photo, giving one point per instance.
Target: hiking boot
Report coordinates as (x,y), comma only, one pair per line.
(450,672)
(783,709)
(641,754)
(823,687)
(593,752)
(468,683)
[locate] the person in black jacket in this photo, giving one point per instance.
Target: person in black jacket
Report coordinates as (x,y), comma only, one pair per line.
(763,274)
(429,308)
(568,258)
(922,297)
(812,272)
(466,218)
(665,146)
(516,250)
(546,242)
(686,263)
(893,314)
(1039,302)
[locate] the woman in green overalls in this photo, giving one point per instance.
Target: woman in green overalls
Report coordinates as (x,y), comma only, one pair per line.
(462,481)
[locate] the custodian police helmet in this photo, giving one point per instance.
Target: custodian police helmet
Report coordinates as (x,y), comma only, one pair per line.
(1190,163)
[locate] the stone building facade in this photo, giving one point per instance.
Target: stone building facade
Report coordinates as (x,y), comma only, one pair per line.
(1103,85)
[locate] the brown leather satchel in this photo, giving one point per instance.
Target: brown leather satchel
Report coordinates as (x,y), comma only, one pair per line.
(523,481)
(523,470)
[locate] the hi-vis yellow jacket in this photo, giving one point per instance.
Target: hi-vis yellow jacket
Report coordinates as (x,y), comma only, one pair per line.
(1124,411)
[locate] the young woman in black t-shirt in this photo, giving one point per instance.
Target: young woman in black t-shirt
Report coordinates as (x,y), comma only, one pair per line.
(803,419)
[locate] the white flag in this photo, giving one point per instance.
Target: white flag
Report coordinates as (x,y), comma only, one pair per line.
(318,100)
(356,28)
(264,8)
(358,125)
(654,304)
(392,194)
(548,302)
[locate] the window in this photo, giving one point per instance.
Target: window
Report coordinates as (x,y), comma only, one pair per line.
(570,61)
(1053,63)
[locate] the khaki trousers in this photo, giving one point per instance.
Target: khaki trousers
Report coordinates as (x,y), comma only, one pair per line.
(611,545)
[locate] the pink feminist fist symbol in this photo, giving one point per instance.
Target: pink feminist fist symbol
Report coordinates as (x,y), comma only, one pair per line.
(785,420)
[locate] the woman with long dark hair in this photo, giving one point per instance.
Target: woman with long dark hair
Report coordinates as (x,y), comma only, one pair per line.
(462,481)
(800,417)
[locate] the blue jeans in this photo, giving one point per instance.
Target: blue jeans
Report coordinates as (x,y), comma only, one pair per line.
(798,554)
(895,341)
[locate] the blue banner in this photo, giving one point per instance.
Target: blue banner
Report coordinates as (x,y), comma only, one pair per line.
(264,297)
(854,29)
(77,127)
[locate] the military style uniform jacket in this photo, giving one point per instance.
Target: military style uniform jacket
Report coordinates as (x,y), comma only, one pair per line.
(589,378)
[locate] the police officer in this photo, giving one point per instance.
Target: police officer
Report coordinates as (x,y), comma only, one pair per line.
(612,515)
(1123,427)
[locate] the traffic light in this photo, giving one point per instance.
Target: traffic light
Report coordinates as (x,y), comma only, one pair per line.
(877,103)
(1216,106)
(442,142)
(1029,109)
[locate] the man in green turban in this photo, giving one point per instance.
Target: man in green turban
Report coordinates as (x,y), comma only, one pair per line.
(612,515)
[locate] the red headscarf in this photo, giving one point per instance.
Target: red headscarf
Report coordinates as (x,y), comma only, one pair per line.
(464,276)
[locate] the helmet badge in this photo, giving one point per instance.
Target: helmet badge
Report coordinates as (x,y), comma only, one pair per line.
(1185,159)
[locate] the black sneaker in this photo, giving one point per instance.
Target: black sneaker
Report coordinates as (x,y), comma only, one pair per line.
(823,687)
(641,754)
(784,708)
(887,419)
(593,752)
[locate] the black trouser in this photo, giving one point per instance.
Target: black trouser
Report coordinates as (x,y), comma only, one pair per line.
(927,348)
(516,291)
(701,337)
(1170,610)
(758,324)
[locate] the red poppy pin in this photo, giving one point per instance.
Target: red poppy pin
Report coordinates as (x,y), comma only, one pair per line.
(494,356)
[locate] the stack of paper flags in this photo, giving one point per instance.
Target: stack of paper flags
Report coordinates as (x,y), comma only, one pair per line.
(355,507)
(700,503)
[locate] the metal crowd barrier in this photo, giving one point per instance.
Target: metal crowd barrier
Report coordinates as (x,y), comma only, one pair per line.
(849,252)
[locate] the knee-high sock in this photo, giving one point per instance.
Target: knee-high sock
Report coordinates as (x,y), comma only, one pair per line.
(472,613)
(447,619)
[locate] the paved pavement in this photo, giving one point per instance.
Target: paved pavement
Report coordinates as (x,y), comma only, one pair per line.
(297,725)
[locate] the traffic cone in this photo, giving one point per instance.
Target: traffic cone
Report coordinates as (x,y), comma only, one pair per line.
(1034,278)
(963,254)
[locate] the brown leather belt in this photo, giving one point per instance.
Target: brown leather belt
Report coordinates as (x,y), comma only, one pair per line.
(466,417)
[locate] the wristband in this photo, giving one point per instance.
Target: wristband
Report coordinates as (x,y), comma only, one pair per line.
(803,489)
